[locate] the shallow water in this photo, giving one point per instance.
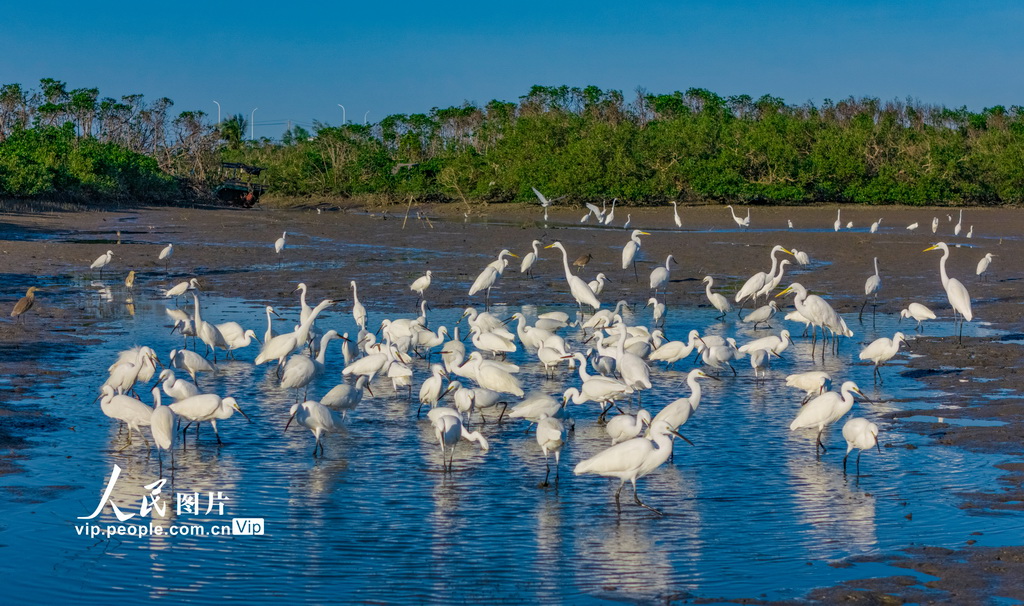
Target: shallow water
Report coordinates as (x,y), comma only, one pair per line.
(749,509)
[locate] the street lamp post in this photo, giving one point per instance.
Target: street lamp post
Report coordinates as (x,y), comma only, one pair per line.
(343,120)
(218,113)
(252,124)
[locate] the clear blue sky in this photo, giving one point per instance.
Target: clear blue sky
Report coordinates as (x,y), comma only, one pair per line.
(298,60)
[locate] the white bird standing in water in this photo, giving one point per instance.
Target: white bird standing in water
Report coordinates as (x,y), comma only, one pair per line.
(918,312)
(448,428)
(161,425)
(814,383)
(959,224)
(631,460)
(581,292)
(882,350)
(126,409)
(358,311)
(279,243)
(624,426)
(550,437)
(957,294)
(740,221)
(862,435)
(315,417)
(529,259)
(825,410)
(102,261)
(718,301)
(839,222)
(675,215)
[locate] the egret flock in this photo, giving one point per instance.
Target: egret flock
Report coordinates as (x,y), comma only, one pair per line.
(606,360)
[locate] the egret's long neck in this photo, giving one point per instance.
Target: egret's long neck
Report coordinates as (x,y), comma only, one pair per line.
(199,319)
(565,263)
(775,263)
(942,273)
(695,396)
(876,266)
(708,289)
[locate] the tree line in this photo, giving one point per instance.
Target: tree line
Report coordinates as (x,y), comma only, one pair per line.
(586,144)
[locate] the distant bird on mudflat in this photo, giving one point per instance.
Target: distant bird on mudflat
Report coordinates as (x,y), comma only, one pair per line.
(25,303)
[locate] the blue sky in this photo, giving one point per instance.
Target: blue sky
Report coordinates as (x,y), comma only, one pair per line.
(298,60)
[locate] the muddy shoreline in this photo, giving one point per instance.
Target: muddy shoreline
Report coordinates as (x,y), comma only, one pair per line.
(231,252)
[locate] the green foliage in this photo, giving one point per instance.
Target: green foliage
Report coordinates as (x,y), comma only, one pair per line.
(579,144)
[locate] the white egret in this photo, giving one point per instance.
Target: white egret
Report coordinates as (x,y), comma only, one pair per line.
(597,284)
(102,261)
(882,350)
(772,281)
(181,288)
(814,383)
(678,412)
(918,312)
(673,351)
(983,264)
(191,362)
(448,428)
(935,224)
(862,435)
(486,280)
(315,417)
(740,221)
(551,437)
(871,287)
(207,331)
(659,276)
(281,346)
(839,222)
(126,409)
(358,311)
(762,315)
(970,232)
(717,355)
(801,256)
(421,284)
(611,214)
(630,460)
(629,219)
(624,426)
(959,224)
(279,243)
(774,343)
(913,226)
(165,254)
(235,337)
(530,258)
(630,250)
(207,407)
(544,202)
(875,226)
(759,361)
(756,282)
(717,300)
(304,307)
(494,377)
(849,225)
(432,389)
(957,294)
(825,410)
(177,389)
(675,214)
(581,292)
(816,310)
(536,405)
(658,308)
(161,425)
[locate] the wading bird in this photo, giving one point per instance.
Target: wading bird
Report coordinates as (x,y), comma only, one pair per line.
(102,261)
(279,243)
(825,410)
(315,417)
(882,350)
(550,437)
(871,287)
(959,299)
(918,312)
(862,435)
(25,303)
(983,264)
